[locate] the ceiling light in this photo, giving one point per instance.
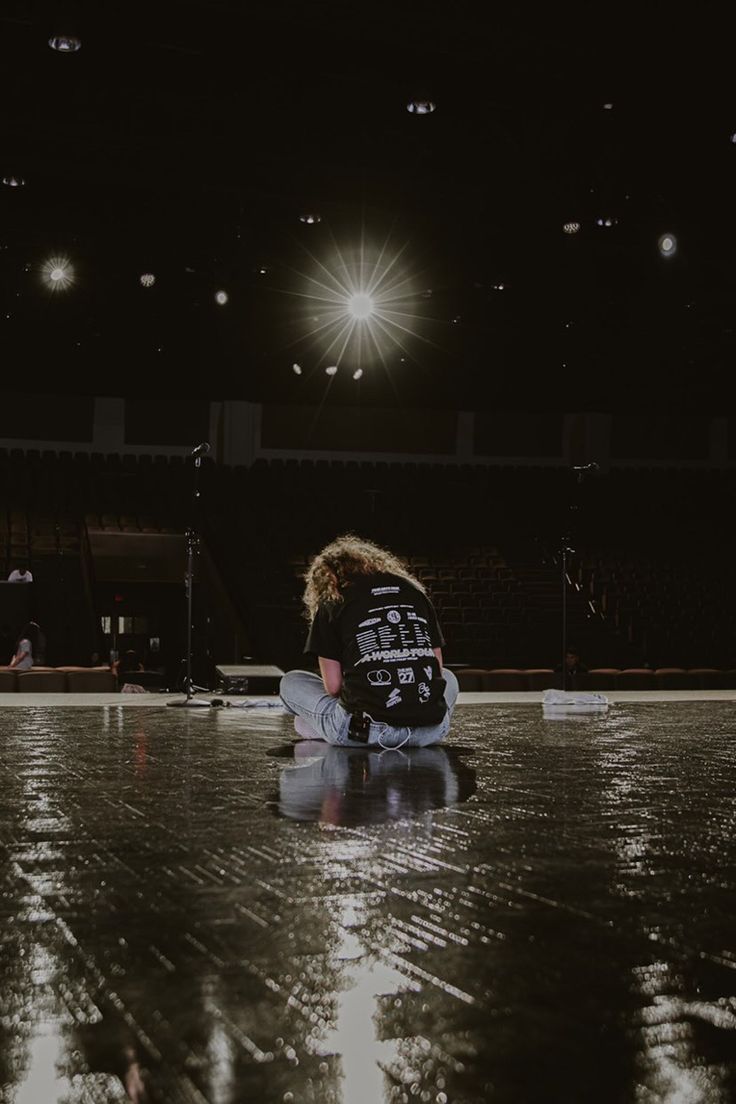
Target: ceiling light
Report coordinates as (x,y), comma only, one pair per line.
(65,43)
(147,280)
(606,222)
(421,107)
(570,227)
(608,107)
(221,297)
(57,273)
(14,181)
(357,373)
(667,245)
(331,370)
(360,305)
(296,369)
(310,218)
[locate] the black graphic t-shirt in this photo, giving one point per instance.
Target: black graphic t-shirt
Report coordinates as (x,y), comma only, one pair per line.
(384,633)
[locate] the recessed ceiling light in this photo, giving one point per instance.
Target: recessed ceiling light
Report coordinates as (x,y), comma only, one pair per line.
(310,218)
(667,245)
(421,106)
(14,181)
(357,373)
(296,369)
(65,43)
(57,273)
(608,107)
(147,279)
(606,222)
(331,370)
(571,227)
(221,297)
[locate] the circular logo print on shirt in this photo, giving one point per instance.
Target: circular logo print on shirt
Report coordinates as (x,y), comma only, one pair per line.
(394,616)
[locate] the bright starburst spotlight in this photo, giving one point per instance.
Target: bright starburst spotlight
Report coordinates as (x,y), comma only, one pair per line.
(57,273)
(667,245)
(221,297)
(361,306)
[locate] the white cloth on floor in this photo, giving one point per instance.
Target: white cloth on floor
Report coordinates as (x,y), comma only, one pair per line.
(573,701)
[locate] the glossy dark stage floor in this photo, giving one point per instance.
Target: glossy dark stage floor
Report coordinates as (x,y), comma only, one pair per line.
(543,910)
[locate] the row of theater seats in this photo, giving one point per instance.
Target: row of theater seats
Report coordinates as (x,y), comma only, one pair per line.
(600,679)
(58,680)
(74,680)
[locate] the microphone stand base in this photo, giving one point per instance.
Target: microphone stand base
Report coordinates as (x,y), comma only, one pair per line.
(190,703)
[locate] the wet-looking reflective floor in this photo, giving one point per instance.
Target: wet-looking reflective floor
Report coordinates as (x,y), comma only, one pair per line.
(195,910)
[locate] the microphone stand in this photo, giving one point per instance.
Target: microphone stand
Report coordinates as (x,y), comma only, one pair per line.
(192,539)
(581,471)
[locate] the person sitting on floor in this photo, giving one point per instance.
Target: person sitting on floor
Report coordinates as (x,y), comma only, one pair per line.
(573,663)
(29,648)
(128,664)
(376,636)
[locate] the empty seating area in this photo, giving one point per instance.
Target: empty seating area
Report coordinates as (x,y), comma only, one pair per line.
(603,679)
(650,583)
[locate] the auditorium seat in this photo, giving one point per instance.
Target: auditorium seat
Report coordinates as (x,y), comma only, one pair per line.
(8,680)
(636,678)
(89,680)
(504,678)
(470,678)
(674,678)
(598,678)
(41,680)
(542,678)
(708,678)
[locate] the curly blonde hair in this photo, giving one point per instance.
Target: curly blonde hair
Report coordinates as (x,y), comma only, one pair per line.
(339,562)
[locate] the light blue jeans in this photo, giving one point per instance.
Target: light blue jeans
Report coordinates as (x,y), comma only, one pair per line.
(304,695)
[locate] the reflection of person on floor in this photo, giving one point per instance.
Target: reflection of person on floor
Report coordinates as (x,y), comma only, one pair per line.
(376,636)
(365,786)
(29,648)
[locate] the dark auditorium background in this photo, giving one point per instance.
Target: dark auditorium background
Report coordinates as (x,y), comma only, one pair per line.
(188,201)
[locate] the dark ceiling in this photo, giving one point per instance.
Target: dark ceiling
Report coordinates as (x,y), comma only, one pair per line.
(186,139)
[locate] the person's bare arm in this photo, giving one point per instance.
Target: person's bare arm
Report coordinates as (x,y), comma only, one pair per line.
(331,671)
(18,658)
